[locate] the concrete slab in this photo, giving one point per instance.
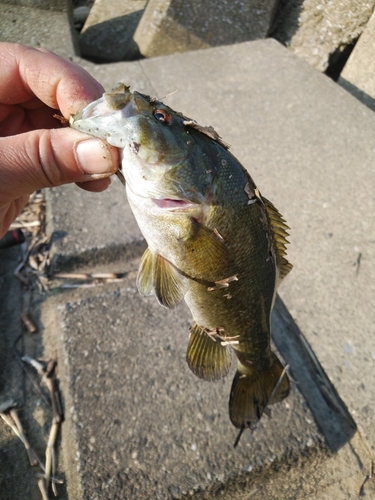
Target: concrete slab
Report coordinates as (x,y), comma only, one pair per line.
(140,424)
(58,5)
(319,31)
(110,233)
(358,75)
(108,32)
(52,29)
(175,26)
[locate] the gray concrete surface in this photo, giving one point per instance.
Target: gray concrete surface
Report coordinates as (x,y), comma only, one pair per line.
(318,31)
(108,32)
(59,5)
(140,425)
(358,75)
(50,28)
(175,26)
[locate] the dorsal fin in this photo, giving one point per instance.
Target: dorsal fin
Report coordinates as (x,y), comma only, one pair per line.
(279,233)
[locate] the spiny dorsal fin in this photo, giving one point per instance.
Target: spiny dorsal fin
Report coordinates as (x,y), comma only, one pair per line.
(279,233)
(157,275)
(209,131)
(207,358)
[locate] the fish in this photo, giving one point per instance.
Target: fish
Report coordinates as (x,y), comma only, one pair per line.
(213,241)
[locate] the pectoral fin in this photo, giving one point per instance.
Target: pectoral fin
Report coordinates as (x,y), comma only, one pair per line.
(207,358)
(169,285)
(145,273)
(157,275)
(205,253)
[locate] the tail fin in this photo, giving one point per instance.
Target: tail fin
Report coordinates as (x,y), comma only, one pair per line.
(251,393)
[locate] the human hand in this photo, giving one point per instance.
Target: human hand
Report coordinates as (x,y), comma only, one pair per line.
(35,151)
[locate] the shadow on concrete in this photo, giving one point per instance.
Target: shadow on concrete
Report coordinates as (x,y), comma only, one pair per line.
(364,98)
(286,22)
(11,376)
(112,40)
(330,412)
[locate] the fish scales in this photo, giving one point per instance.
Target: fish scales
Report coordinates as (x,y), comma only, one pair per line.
(213,240)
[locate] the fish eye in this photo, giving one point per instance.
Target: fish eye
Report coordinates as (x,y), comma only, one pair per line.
(162,116)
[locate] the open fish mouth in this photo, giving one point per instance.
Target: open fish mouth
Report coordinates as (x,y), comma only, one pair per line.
(171,204)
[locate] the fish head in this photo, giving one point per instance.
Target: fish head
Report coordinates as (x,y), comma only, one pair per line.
(161,149)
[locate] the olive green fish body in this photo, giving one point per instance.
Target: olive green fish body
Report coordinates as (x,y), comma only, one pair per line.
(213,240)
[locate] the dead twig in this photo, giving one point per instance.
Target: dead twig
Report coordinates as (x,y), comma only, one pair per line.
(31,378)
(43,488)
(15,424)
(28,323)
(253,492)
(31,453)
(89,276)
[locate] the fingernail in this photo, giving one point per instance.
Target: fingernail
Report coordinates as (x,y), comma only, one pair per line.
(93,157)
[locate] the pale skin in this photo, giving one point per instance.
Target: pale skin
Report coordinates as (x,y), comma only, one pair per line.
(36,151)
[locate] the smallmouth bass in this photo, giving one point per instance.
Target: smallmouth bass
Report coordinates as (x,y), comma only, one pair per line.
(213,240)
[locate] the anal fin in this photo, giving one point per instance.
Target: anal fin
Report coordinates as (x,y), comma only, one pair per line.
(207,358)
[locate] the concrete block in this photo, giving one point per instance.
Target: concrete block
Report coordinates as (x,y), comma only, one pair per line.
(58,5)
(108,32)
(317,31)
(88,230)
(139,424)
(51,29)
(358,75)
(174,26)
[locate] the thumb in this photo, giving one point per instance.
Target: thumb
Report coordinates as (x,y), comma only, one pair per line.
(47,158)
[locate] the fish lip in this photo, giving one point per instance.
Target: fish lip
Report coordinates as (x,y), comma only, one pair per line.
(172,204)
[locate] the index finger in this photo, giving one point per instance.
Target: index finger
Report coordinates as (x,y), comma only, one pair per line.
(60,84)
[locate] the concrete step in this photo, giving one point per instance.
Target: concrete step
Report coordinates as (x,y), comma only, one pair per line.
(40,23)
(173,26)
(310,146)
(358,75)
(108,31)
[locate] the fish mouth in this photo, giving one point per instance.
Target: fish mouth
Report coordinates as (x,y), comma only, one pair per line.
(172,204)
